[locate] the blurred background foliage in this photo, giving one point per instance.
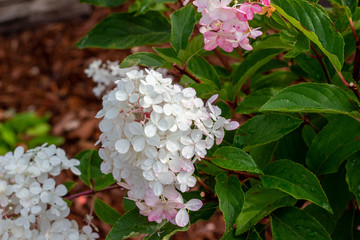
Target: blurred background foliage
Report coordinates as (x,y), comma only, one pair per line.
(26,129)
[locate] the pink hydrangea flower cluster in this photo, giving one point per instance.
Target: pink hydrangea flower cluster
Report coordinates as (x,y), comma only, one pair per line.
(152,133)
(225,26)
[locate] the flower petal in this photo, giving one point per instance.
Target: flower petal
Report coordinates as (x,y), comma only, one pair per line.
(188,151)
(122,145)
(136,128)
(121,95)
(112,113)
(232,125)
(165,178)
(150,130)
(138,143)
(155,214)
(194,204)
(182,218)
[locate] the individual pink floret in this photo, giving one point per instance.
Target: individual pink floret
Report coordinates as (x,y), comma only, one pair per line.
(254,33)
(201,4)
(250,9)
(265,2)
(220,38)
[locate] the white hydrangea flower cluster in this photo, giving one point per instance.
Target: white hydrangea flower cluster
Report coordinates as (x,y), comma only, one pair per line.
(105,74)
(152,133)
(31,203)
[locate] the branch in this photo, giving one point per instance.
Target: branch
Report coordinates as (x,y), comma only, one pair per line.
(356,62)
(355,72)
(306,120)
(222,60)
(204,185)
(319,58)
(183,71)
(90,192)
(351,85)
(239,173)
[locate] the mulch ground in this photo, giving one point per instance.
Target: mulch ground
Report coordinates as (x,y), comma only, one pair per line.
(42,71)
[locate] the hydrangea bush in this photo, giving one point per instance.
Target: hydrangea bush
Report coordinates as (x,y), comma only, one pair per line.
(250,108)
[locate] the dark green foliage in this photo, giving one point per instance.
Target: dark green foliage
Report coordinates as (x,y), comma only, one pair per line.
(295,158)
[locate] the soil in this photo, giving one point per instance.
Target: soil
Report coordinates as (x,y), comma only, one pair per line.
(42,71)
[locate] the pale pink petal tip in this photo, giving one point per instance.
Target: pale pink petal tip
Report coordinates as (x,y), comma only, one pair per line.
(182,218)
(265,2)
(213,98)
(232,125)
(194,204)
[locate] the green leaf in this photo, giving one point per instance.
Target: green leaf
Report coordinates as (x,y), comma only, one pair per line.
(168,54)
(103,182)
(230,235)
(295,224)
(187,196)
(350,44)
(289,35)
(182,25)
(347,226)
(276,79)
(104,3)
(254,101)
(260,202)
(337,191)
(166,232)
(292,147)
(263,129)
(311,68)
(195,46)
(310,97)
(89,166)
(322,216)
(105,213)
(308,134)
(251,64)
(203,90)
(8,135)
(263,154)
(348,77)
(146,59)
(351,4)
(144,6)
(353,175)
(252,235)
(38,130)
(69,185)
(204,213)
(278,21)
(295,180)
(234,159)
(132,224)
(128,204)
(209,168)
(148,29)
(316,25)
(203,70)
(85,159)
(301,44)
(333,144)
(37,141)
(22,121)
(231,198)
(271,41)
